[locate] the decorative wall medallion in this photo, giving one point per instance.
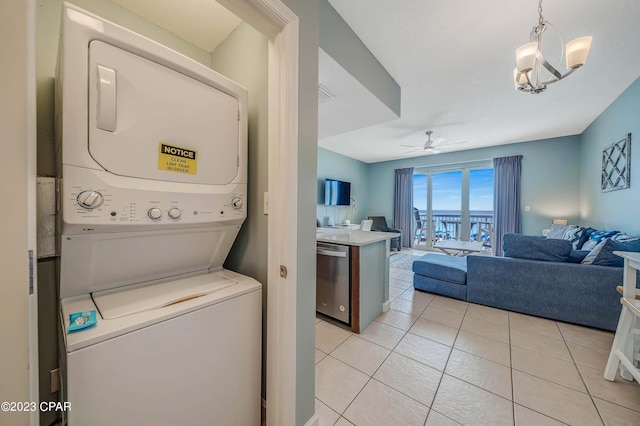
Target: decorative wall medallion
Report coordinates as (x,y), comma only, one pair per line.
(616,165)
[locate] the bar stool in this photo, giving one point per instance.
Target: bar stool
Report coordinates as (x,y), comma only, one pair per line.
(624,350)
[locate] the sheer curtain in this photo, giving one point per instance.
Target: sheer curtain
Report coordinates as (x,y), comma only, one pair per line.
(506,199)
(403,204)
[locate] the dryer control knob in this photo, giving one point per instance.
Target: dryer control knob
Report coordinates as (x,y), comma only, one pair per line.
(236,202)
(174,213)
(90,199)
(154,213)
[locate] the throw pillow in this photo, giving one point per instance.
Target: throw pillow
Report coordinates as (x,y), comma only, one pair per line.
(593,253)
(606,256)
(536,248)
(586,233)
(573,235)
(624,238)
(595,237)
(557,231)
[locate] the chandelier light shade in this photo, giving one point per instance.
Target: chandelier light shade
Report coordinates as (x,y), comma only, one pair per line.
(577,51)
(533,73)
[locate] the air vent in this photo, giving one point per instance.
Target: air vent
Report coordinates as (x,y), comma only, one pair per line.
(324,94)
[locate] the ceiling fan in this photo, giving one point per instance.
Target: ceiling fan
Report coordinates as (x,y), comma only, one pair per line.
(430,146)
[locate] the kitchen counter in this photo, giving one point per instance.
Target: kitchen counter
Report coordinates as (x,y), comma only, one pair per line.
(369,271)
(350,237)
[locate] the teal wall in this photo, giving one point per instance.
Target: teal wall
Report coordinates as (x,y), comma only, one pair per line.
(335,166)
(560,176)
(307,12)
(615,210)
(242,57)
(550,179)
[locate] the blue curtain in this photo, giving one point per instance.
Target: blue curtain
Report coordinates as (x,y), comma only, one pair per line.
(403,204)
(507,173)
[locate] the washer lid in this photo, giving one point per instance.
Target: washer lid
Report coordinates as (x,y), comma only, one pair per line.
(114,304)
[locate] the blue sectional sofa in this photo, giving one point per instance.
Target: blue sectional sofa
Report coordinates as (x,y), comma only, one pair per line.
(543,277)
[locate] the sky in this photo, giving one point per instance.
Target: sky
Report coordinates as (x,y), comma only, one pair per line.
(447,193)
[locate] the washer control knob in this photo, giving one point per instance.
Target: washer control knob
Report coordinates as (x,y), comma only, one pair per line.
(90,199)
(174,213)
(154,213)
(236,202)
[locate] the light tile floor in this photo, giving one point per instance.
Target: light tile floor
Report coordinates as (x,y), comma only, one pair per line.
(431,360)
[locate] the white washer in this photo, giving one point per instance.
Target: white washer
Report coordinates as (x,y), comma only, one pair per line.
(153,156)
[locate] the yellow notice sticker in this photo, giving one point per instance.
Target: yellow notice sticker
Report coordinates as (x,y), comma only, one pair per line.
(176,159)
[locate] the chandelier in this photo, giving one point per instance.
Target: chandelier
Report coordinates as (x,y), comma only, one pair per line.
(529,74)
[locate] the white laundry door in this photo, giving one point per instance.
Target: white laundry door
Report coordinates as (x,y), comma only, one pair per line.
(149,121)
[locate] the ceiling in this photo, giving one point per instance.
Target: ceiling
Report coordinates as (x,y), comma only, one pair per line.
(203,23)
(454,63)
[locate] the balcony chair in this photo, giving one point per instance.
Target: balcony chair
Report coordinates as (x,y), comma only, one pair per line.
(379,223)
(420,229)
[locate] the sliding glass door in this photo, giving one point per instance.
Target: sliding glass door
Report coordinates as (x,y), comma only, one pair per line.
(481,205)
(453,203)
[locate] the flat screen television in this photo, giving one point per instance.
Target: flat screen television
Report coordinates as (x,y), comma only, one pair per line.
(337,192)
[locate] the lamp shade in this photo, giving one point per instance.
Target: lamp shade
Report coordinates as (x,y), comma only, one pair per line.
(577,51)
(560,222)
(526,56)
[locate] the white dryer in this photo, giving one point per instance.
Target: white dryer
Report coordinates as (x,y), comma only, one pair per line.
(153,161)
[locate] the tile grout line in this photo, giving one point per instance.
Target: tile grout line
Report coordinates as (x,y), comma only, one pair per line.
(513,388)
(580,374)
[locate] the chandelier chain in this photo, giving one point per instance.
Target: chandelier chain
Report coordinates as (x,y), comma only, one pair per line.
(540,19)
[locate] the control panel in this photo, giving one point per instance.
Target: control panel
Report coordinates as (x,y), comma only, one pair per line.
(96,204)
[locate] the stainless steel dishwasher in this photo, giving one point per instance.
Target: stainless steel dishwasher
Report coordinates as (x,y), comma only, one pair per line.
(332,281)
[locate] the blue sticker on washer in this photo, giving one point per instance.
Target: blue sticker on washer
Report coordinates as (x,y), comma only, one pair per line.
(81,320)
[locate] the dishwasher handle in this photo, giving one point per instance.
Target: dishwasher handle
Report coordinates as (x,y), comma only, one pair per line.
(331,253)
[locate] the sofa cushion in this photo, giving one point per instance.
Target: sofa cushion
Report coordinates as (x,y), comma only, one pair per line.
(606,257)
(536,248)
(577,256)
(442,267)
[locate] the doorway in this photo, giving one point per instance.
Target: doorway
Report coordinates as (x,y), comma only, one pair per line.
(453,203)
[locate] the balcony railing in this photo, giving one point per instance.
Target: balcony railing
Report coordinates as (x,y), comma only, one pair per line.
(448,225)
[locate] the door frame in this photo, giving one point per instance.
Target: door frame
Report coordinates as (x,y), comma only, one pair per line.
(281,26)
(276,21)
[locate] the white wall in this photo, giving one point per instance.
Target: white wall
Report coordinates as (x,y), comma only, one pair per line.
(14,284)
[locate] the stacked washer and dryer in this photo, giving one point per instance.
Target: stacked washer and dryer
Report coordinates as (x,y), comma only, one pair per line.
(153,167)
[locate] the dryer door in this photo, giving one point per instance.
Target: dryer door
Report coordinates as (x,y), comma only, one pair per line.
(149,121)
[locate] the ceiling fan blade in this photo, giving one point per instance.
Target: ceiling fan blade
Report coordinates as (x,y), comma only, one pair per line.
(436,151)
(412,146)
(452,143)
(438,141)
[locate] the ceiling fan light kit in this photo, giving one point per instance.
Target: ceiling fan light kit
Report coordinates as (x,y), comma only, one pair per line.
(429,146)
(528,74)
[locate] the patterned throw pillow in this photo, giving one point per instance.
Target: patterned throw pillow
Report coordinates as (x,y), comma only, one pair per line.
(624,238)
(595,237)
(594,253)
(557,231)
(573,233)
